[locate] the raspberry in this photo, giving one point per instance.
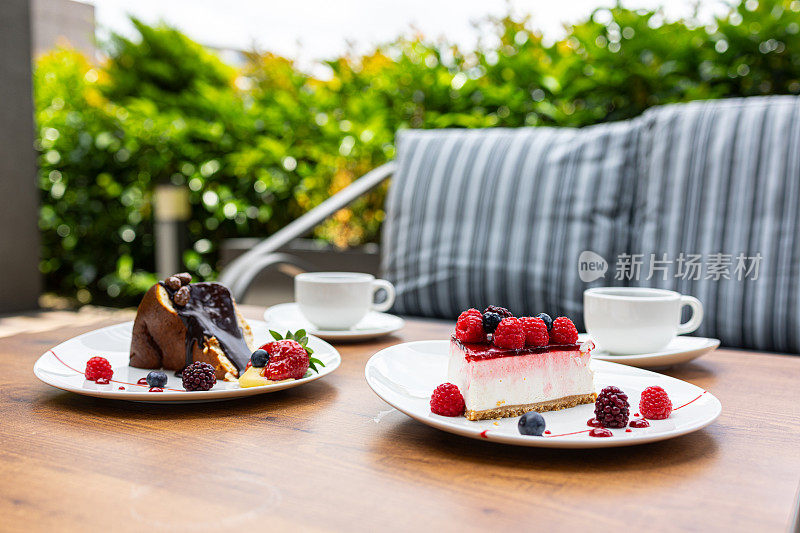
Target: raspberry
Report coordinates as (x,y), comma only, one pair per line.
(611,408)
(563,331)
(535,331)
(469,327)
(655,403)
(198,376)
(287,360)
(509,334)
(98,367)
(471,311)
(502,311)
(446,400)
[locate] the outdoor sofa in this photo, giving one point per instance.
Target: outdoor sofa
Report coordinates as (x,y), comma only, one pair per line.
(702,198)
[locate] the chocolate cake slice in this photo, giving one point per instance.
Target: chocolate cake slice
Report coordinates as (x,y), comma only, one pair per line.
(179,322)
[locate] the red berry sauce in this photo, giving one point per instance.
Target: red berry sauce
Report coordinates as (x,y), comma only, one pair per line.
(628,430)
(636,414)
(122,388)
(102,381)
(142,381)
(478,351)
(546,431)
(639,423)
(593,422)
(156,389)
(601,432)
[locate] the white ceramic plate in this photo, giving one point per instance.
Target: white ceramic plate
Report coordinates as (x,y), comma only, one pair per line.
(288,316)
(405,375)
(63,365)
(682,349)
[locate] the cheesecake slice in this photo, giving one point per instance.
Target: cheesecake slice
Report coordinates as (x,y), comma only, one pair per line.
(498,382)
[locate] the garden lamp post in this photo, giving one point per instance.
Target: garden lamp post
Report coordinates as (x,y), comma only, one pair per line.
(172,211)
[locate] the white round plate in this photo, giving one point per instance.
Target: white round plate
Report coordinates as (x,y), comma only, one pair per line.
(288,316)
(405,375)
(681,349)
(63,365)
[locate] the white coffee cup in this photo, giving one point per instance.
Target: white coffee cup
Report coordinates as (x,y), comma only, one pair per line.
(339,300)
(636,320)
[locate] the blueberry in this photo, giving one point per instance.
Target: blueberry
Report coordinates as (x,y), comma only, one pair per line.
(546,319)
(259,359)
(157,378)
(531,424)
(490,321)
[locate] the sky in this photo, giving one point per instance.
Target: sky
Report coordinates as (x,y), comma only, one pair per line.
(310,30)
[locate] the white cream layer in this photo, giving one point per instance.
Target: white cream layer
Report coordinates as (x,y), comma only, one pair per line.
(520,379)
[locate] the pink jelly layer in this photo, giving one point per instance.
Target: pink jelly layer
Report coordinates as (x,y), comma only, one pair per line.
(479,351)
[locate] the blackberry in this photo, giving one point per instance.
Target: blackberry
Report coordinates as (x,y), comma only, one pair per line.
(198,377)
(546,319)
(502,311)
(491,321)
(260,358)
(531,423)
(611,408)
(156,378)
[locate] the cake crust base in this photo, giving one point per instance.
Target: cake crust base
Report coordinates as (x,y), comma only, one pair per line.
(518,410)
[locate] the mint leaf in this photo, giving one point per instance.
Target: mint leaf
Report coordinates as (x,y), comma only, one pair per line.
(313,362)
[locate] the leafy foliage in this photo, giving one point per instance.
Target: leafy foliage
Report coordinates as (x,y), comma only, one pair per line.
(259,145)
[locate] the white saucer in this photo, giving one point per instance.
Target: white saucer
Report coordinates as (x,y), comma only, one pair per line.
(288,316)
(404,376)
(681,350)
(63,365)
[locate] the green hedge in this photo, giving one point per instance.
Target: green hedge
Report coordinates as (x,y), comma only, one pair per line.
(259,145)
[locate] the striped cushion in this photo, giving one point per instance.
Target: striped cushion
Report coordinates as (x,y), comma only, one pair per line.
(724,177)
(499,216)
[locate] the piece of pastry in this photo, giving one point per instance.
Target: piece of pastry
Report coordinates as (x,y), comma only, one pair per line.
(179,322)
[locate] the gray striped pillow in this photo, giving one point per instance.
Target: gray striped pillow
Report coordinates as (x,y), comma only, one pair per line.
(723,177)
(499,216)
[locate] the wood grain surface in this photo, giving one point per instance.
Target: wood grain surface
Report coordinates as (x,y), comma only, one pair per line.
(332,456)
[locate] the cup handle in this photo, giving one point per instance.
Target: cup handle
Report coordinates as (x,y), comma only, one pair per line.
(377,285)
(697,315)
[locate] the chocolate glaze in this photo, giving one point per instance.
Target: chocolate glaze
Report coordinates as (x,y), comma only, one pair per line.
(210,313)
(477,351)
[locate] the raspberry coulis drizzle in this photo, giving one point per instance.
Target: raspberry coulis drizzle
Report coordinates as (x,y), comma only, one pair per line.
(641,423)
(111,380)
(480,351)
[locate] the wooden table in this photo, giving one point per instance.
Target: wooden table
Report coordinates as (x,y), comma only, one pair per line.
(332,456)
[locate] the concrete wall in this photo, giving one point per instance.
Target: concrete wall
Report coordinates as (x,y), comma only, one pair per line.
(62,22)
(20,281)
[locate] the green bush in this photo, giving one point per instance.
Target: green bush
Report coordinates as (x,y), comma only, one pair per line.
(259,145)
